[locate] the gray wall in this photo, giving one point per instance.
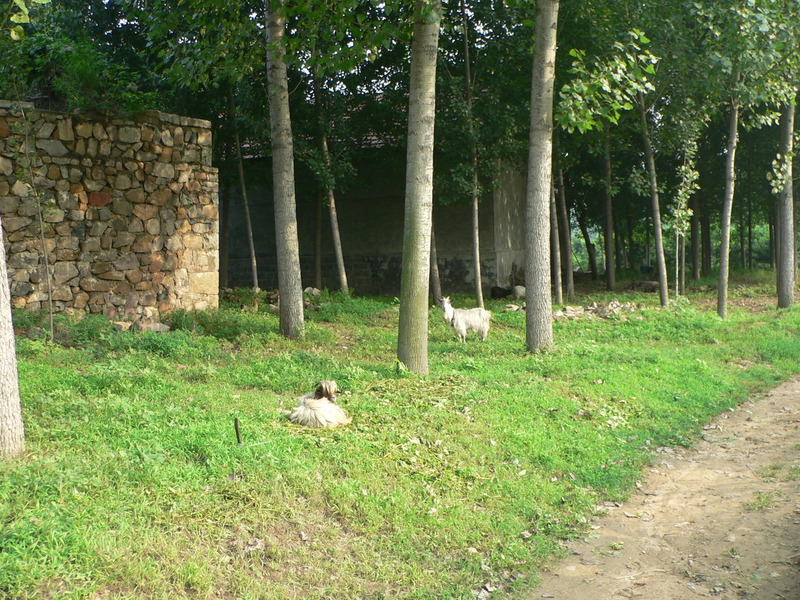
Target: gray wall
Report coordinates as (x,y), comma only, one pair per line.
(371,224)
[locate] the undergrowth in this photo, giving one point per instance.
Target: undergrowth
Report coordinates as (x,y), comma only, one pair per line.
(133,485)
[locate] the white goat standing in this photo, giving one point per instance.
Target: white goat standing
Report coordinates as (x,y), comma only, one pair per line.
(463,320)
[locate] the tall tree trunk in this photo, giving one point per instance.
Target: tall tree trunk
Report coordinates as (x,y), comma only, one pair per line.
(539,313)
(473,160)
(749,233)
(224,233)
(329,193)
(318,242)
(705,236)
(412,335)
(742,244)
(591,251)
(436,282)
(682,266)
(243,187)
(619,247)
(608,213)
(290,285)
(727,207)
(337,244)
(555,251)
(629,226)
(695,233)
(649,156)
(773,241)
(786,250)
(565,238)
(12,431)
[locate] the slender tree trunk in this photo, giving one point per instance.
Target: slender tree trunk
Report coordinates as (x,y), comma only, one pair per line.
(224,234)
(539,313)
(565,237)
(631,258)
(727,207)
(12,431)
(436,282)
(555,251)
(773,241)
(619,247)
(786,250)
(473,160)
(749,234)
(661,264)
(243,187)
(329,193)
(289,279)
(705,235)
(318,242)
(412,335)
(337,244)
(682,266)
(742,243)
(608,213)
(695,232)
(591,251)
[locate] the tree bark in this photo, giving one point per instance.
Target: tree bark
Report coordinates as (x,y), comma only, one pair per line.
(608,213)
(473,160)
(243,187)
(318,242)
(329,193)
(539,313)
(705,236)
(786,250)
(590,249)
(695,233)
(649,155)
(436,282)
(12,431)
(288,247)
(555,251)
(727,207)
(565,237)
(742,244)
(412,335)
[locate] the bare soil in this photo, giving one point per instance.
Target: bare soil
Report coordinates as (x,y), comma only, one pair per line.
(720,520)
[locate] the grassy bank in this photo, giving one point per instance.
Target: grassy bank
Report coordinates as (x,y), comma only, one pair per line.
(134,486)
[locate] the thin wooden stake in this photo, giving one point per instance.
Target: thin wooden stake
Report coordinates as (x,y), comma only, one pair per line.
(238,433)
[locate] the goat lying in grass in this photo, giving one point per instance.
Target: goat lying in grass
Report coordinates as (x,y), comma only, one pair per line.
(463,320)
(319,408)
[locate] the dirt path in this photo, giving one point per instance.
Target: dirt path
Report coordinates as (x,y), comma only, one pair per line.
(721,520)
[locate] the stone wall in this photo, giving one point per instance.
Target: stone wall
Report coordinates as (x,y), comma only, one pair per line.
(127,210)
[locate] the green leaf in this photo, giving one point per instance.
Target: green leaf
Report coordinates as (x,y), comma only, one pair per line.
(20,18)
(17,32)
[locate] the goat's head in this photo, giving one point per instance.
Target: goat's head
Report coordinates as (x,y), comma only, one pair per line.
(327,389)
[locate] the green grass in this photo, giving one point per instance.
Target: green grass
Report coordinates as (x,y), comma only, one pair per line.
(133,485)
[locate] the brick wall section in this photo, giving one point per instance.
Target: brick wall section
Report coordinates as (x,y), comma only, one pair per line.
(129,206)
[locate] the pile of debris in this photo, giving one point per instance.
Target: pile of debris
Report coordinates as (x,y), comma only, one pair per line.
(602,311)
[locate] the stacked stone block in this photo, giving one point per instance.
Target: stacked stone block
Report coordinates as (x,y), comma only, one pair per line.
(127,210)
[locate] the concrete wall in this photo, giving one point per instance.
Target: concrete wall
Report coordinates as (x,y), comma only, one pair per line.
(125,211)
(371,224)
(509,227)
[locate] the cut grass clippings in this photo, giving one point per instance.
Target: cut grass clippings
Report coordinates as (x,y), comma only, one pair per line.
(133,485)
